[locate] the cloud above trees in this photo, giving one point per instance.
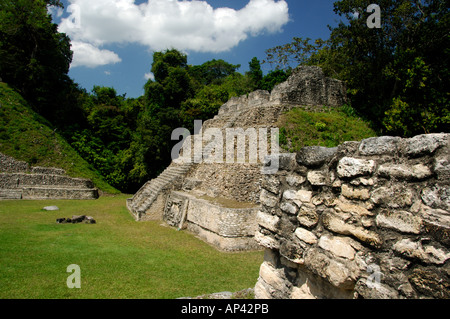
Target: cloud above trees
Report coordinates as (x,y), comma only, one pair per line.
(161,24)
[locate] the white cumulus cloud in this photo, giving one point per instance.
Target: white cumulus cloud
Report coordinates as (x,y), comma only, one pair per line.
(161,24)
(86,54)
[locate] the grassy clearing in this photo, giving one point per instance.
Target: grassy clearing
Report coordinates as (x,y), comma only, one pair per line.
(300,128)
(118,257)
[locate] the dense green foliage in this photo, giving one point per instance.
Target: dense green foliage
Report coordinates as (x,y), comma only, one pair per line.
(27,136)
(35,59)
(397,75)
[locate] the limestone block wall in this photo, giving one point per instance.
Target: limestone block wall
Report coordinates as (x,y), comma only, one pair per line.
(367,219)
(9,164)
(308,86)
(20,181)
(226,228)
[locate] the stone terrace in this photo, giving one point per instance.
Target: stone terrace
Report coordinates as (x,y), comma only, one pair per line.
(20,181)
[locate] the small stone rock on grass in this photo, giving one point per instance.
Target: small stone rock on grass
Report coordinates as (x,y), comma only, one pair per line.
(51,208)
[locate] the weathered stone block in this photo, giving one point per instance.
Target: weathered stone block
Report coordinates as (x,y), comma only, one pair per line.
(268,199)
(295,180)
(308,216)
(337,225)
(292,251)
(404,171)
(299,197)
(401,221)
(289,208)
(397,196)
(271,183)
(352,167)
(375,291)
(272,276)
(267,240)
(267,221)
(437,197)
(437,217)
(354,192)
(337,246)
(379,145)
(425,253)
(352,208)
(425,144)
(442,167)
(306,236)
(308,86)
(362,181)
(430,282)
(318,178)
(314,156)
(333,271)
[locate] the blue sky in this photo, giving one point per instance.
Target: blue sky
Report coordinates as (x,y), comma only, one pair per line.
(114,40)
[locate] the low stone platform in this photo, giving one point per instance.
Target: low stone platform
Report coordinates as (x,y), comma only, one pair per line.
(226,224)
(20,181)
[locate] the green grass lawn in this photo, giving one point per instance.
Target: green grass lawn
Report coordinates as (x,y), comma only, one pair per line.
(118,257)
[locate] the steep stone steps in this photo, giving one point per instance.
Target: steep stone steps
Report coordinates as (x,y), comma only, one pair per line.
(148,193)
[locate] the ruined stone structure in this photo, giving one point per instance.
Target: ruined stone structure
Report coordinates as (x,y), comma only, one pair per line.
(219,201)
(367,219)
(20,181)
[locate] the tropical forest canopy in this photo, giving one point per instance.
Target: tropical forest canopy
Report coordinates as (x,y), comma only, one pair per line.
(397,78)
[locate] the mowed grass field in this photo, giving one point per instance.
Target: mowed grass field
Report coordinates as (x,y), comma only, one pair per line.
(119,258)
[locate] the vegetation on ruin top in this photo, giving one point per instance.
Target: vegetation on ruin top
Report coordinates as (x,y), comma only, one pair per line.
(300,128)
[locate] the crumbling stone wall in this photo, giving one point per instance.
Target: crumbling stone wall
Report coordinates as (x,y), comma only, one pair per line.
(229,227)
(10,165)
(18,180)
(367,219)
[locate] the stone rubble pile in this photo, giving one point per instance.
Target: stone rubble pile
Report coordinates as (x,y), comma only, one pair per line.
(76,219)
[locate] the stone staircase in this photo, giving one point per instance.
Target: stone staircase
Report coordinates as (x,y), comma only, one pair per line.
(142,201)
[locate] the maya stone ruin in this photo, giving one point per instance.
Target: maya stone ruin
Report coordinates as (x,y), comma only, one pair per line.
(20,181)
(367,219)
(219,201)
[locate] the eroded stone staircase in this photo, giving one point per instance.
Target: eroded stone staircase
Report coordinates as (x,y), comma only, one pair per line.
(142,201)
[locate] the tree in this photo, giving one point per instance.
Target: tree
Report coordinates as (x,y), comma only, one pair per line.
(273,78)
(255,73)
(288,56)
(396,75)
(34,56)
(172,83)
(212,72)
